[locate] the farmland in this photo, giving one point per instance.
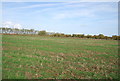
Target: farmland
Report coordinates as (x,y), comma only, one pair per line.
(42,57)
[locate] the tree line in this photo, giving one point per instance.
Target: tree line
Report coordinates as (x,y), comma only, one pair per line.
(100,36)
(4,30)
(17,31)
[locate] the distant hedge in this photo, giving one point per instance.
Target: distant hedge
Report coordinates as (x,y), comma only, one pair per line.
(4,30)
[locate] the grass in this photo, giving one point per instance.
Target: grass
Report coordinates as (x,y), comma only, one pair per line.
(37,57)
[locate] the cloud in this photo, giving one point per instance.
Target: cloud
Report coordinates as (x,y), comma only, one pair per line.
(17,26)
(74,14)
(75,9)
(9,24)
(89,10)
(38,5)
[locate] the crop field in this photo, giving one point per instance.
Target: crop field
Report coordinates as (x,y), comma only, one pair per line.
(42,57)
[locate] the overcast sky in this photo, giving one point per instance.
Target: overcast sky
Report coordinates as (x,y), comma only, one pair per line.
(65,17)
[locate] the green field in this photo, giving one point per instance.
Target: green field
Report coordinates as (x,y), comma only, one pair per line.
(37,57)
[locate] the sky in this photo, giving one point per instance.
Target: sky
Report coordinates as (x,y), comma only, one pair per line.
(59,0)
(65,17)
